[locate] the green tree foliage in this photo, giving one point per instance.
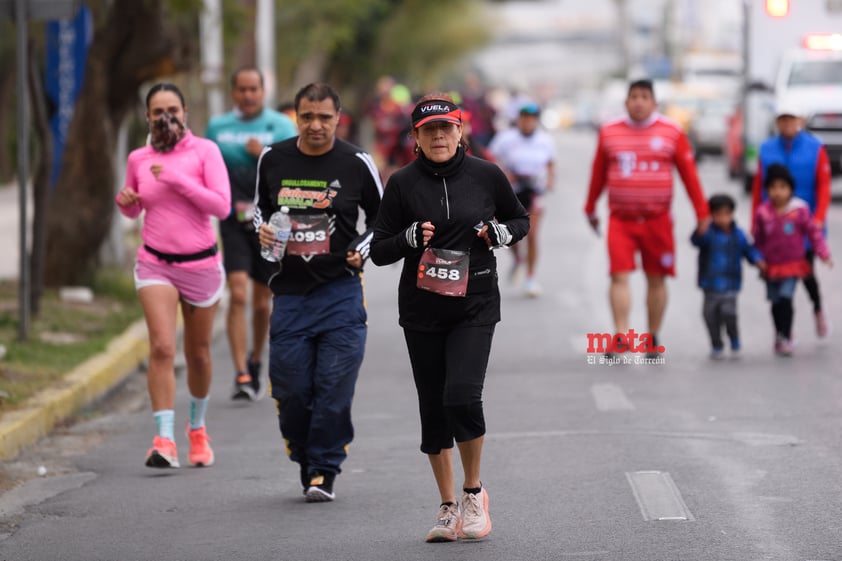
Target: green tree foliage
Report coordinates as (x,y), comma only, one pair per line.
(137,42)
(352,42)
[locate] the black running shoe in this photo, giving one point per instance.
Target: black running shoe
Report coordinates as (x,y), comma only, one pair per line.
(254,371)
(321,488)
(243,388)
(653,354)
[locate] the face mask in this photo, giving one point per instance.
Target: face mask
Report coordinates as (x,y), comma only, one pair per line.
(166,131)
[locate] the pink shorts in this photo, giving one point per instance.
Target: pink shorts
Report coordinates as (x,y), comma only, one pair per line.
(200,287)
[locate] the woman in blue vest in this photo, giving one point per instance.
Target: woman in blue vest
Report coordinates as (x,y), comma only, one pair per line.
(806,158)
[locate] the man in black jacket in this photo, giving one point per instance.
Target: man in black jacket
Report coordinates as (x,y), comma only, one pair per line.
(318,325)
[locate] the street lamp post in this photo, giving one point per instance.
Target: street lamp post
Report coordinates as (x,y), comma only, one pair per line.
(23,165)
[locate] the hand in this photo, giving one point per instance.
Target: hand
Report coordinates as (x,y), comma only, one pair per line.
(266,235)
(761,265)
(254,147)
(703,226)
(354,259)
(419,234)
(827,261)
(128,197)
(594,222)
(495,234)
(156,169)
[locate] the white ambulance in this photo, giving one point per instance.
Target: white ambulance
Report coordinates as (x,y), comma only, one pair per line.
(793,56)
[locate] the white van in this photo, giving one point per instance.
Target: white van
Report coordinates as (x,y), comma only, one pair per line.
(811,80)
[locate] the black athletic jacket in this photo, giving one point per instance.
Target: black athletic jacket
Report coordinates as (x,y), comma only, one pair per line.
(455,196)
(338,184)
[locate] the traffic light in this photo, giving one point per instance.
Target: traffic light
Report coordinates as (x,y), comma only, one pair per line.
(777,8)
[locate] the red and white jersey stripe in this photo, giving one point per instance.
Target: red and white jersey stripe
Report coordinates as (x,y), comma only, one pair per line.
(634,161)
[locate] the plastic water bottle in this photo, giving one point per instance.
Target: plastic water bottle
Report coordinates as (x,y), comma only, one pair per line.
(282,225)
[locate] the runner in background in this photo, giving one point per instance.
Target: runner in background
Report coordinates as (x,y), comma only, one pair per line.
(387,113)
(527,154)
(475,101)
(242,134)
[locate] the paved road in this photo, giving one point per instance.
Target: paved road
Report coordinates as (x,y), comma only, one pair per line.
(740,459)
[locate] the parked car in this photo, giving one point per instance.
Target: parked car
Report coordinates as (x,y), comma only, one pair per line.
(709,125)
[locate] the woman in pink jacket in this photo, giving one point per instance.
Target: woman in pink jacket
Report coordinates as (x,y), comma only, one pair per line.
(180,182)
(780,225)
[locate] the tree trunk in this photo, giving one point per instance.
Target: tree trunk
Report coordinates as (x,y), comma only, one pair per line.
(135,43)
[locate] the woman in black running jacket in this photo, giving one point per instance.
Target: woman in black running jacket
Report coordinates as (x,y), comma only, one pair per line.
(443,214)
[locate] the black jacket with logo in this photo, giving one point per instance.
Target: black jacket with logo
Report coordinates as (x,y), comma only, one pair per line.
(337,183)
(455,196)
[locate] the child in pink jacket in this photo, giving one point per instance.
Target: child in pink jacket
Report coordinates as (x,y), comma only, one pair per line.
(780,226)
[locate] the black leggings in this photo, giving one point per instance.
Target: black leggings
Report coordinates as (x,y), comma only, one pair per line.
(811,284)
(449,371)
(782,314)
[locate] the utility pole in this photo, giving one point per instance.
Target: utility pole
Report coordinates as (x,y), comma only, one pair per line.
(23,165)
(264,38)
(210,32)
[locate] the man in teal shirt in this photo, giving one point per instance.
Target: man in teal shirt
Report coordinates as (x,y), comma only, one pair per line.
(241,135)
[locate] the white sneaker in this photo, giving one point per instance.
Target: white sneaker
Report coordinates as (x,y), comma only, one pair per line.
(476,522)
(448,524)
(532,288)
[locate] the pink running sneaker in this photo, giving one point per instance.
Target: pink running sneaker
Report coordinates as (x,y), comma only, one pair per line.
(822,326)
(784,347)
(448,524)
(201,454)
(476,522)
(163,454)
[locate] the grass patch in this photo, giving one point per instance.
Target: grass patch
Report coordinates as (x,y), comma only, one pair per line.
(62,336)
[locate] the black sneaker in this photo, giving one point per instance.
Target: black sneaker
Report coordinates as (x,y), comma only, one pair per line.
(321,488)
(243,388)
(654,353)
(254,372)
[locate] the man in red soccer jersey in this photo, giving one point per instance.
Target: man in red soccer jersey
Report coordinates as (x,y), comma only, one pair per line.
(634,160)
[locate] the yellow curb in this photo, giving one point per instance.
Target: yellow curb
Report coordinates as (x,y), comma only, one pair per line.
(81,386)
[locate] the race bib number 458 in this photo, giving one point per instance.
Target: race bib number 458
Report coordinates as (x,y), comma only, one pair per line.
(443,271)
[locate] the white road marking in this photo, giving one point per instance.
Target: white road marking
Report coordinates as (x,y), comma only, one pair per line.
(657,496)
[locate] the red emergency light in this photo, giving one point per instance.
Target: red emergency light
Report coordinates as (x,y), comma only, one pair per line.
(777,8)
(823,42)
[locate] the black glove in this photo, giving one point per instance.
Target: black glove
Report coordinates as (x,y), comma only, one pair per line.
(498,234)
(414,235)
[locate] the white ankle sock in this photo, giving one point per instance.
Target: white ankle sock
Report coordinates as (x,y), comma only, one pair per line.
(165,421)
(198,408)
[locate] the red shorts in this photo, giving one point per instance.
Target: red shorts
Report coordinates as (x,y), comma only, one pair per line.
(652,236)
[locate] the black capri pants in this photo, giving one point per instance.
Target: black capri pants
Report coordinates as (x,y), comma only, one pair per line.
(449,371)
